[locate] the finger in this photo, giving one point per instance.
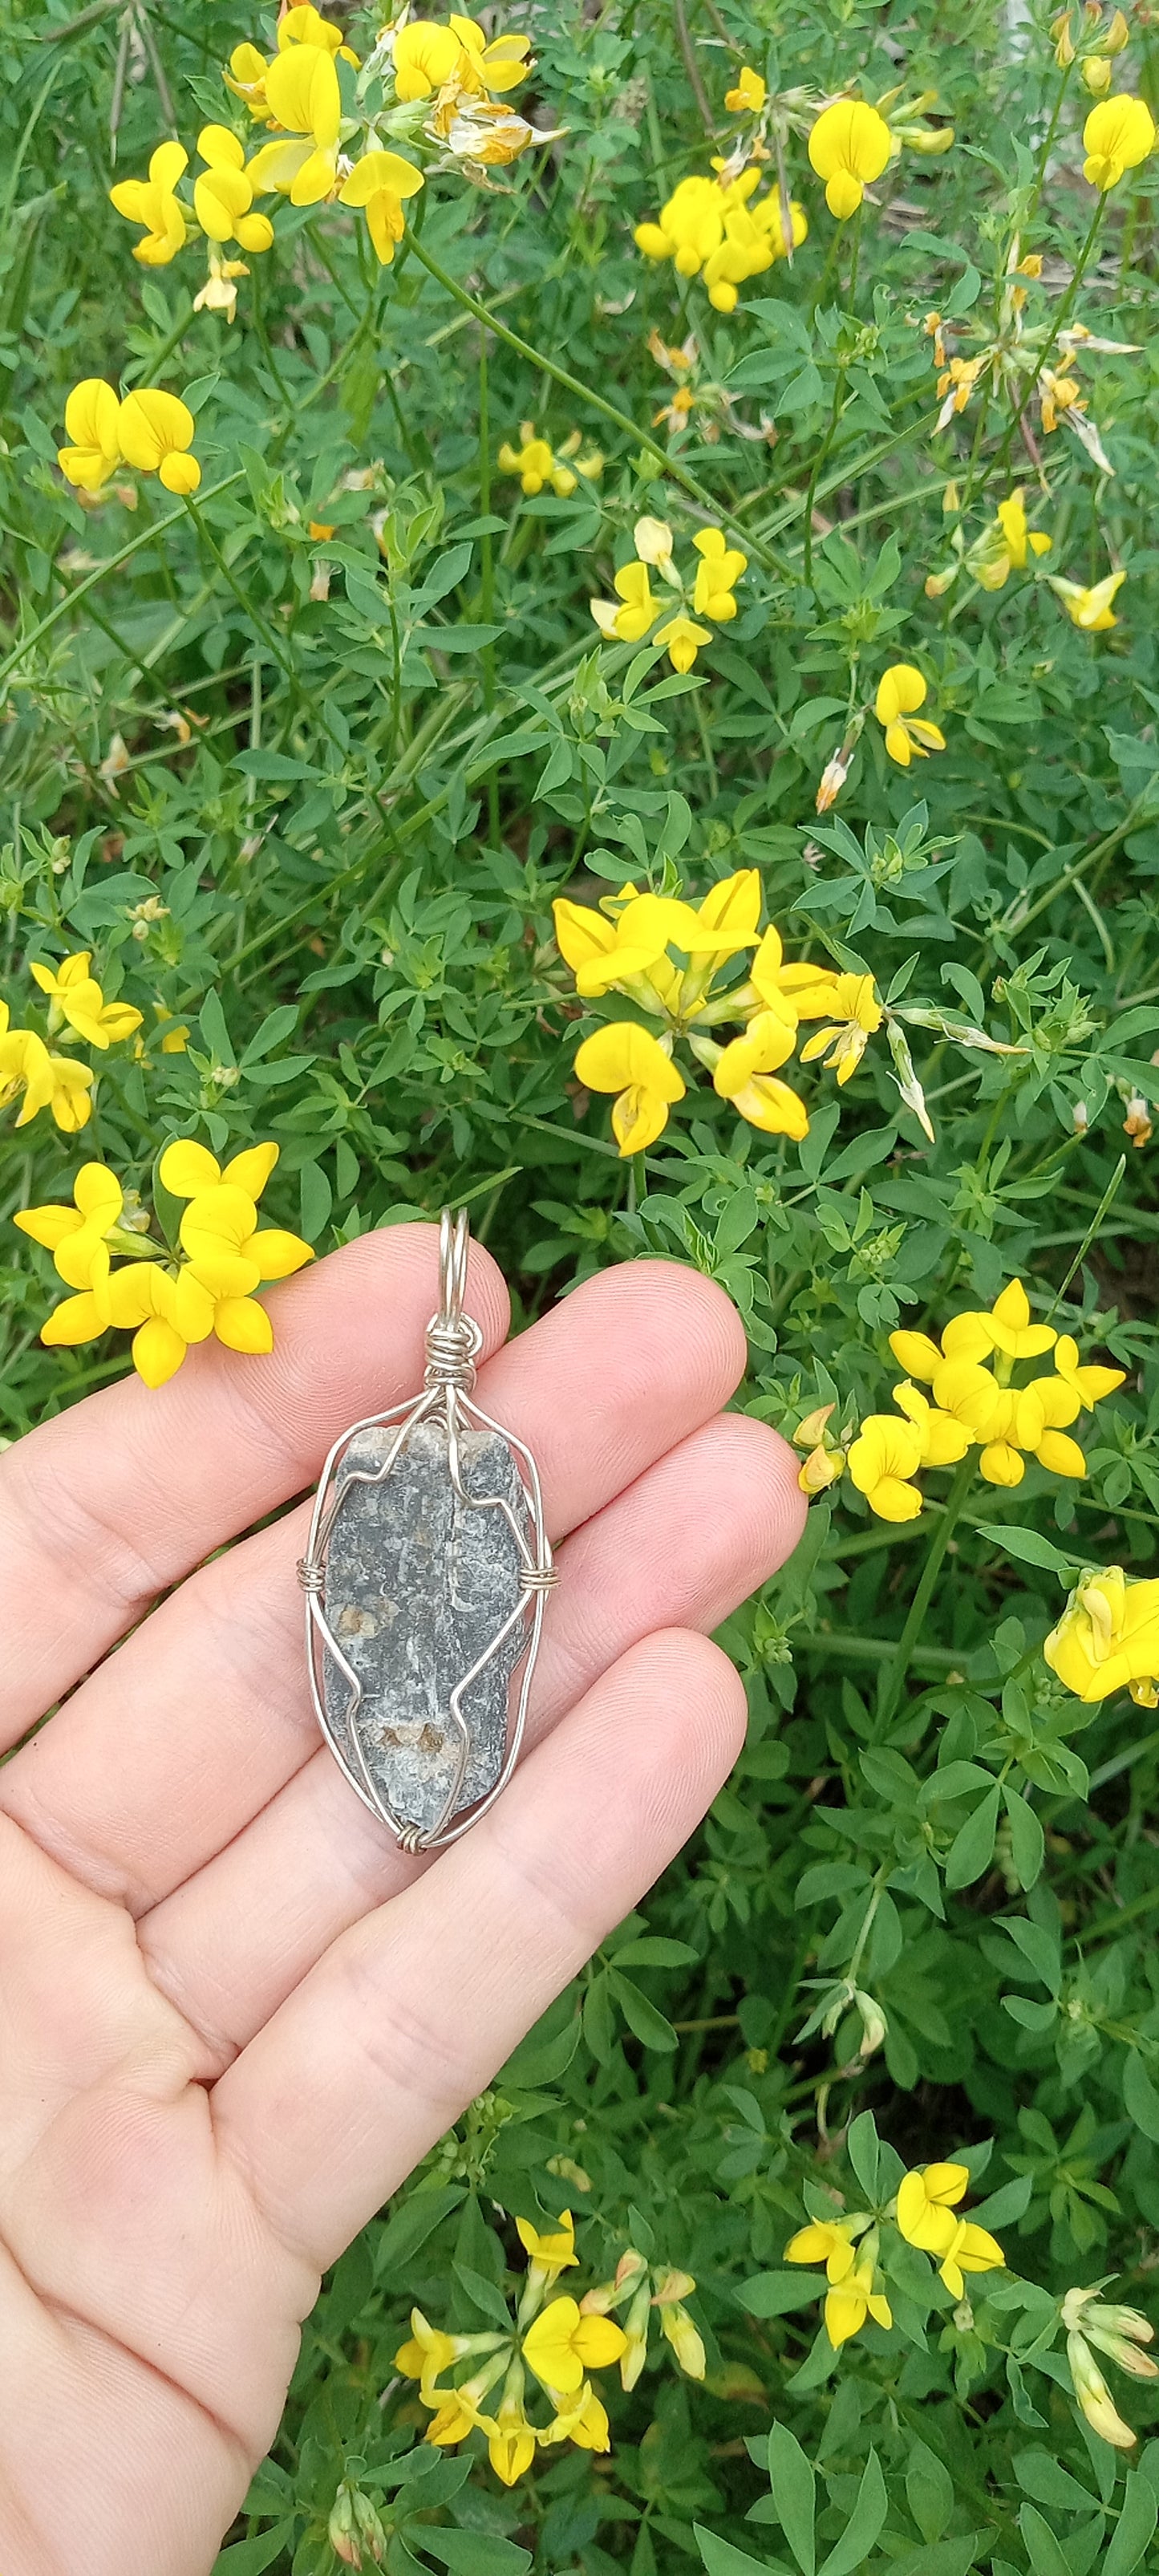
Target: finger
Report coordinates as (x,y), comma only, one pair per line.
(685,1543)
(106,1506)
(407,2017)
(170,1749)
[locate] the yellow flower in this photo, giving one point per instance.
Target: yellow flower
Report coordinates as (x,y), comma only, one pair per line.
(944,1438)
(151,202)
(187,1169)
(425,2355)
(1029,1418)
(511,2442)
(563,2344)
(584,2422)
(683,638)
(900,691)
(1108,1638)
(690,227)
(302,94)
(24,1067)
(858,1012)
(1005,545)
(459,2410)
(92,417)
(719,571)
(800,992)
(1008,1328)
(970,2249)
(829,2241)
(1090,609)
(847,2307)
(76,996)
(748,95)
(72,1234)
(925,2201)
(745,1070)
(1118,134)
(883,1458)
(710,226)
(495,63)
(165,1311)
(639,610)
(223,193)
(425,56)
(850,145)
(629,1060)
(551,2254)
(156,433)
(1090,1384)
(305,25)
(378,183)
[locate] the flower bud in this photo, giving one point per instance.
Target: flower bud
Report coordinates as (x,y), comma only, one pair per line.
(369,2527)
(1080,1118)
(812,1429)
(951,501)
(1064,44)
(1094,2396)
(686,2343)
(820,1469)
(1096,75)
(873,2023)
(1118,35)
(1137,1123)
(833,778)
(340,2530)
(632,2360)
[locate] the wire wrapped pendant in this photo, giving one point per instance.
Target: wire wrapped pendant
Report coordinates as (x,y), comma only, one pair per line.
(426,1574)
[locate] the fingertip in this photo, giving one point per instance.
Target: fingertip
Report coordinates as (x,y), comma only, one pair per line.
(690,1715)
(658,1301)
(767,1468)
(383,1278)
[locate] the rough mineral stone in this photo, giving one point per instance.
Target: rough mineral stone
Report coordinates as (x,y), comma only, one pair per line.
(417,1585)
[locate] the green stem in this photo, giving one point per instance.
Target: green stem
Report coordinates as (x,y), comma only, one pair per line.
(144,537)
(487,575)
(896,1676)
(675,472)
(821,459)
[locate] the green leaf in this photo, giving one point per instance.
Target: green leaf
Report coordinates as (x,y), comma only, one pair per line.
(1134,2530)
(317,1199)
(409,2227)
(860,2534)
(1030,1548)
(484,2296)
(1140,2097)
(653,1951)
(471,2553)
(722,2558)
(249,2557)
(1043,2550)
(794,2485)
(1027,1841)
(864,2152)
(929,2492)
(646,2024)
(775,2294)
(972,1849)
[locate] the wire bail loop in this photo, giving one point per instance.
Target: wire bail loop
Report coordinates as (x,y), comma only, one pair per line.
(454,1340)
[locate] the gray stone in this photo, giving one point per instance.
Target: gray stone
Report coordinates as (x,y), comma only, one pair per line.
(417,1585)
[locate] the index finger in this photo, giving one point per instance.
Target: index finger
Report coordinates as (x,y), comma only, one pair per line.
(106,1506)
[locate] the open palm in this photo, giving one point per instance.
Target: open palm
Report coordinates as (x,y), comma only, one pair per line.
(233,2014)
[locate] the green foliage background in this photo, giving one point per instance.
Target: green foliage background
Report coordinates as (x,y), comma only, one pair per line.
(355,854)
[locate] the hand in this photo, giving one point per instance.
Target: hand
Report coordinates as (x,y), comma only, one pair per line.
(233,2014)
